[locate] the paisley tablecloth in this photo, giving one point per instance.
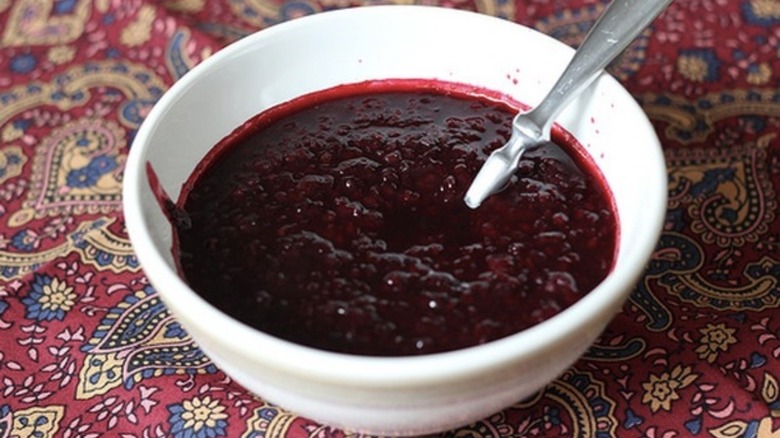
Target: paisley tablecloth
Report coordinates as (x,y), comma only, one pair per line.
(88,350)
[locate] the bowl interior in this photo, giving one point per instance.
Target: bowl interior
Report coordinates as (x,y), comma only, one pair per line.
(330,49)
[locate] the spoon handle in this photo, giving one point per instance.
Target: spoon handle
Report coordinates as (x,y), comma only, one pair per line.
(621,22)
(618,26)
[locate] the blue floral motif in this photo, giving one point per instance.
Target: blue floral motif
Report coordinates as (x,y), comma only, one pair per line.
(174,330)
(14,159)
(89,175)
(693,425)
(23,241)
(6,420)
(197,418)
(24,63)
(102,164)
(755,15)
(84,177)
(751,431)
(21,124)
(62,7)
(701,65)
(49,298)
(711,180)
(632,419)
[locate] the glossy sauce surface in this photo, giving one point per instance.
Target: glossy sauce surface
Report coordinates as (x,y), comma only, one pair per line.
(338,223)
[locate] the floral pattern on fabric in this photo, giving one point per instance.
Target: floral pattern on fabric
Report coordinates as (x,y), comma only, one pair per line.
(87,349)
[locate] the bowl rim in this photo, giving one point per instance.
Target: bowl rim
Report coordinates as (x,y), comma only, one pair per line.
(375,371)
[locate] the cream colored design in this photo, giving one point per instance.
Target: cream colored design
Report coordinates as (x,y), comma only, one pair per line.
(688,123)
(715,339)
(12,160)
(265,12)
(92,239)
(76,85)
(61,54)
(104,250)
(59,152)
(745,204)
(202,413)
(663,390)
(67,150)
(31,22)
(766,8)
(189,6)
(100,373)
(136,340)
(42,422)
(693,68)
(277,427)
(139,31)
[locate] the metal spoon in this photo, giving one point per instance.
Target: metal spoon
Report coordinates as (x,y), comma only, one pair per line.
(618,26)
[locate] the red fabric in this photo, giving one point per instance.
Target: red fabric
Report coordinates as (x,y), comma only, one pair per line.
(87,349)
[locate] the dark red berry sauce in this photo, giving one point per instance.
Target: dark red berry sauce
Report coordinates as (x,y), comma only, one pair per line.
(338,222)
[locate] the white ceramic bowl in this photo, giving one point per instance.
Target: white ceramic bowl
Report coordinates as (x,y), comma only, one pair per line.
(404,395)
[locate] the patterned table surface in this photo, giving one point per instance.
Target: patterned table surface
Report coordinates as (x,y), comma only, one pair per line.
(87,349)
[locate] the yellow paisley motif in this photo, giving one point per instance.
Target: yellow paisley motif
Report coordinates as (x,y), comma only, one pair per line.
(770,392)
(699,123)
(278,427)
(100,74)
(31,22)
(43,422)
(101,372)
(57,154)
(90,240)
(139,31)
(70,149)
